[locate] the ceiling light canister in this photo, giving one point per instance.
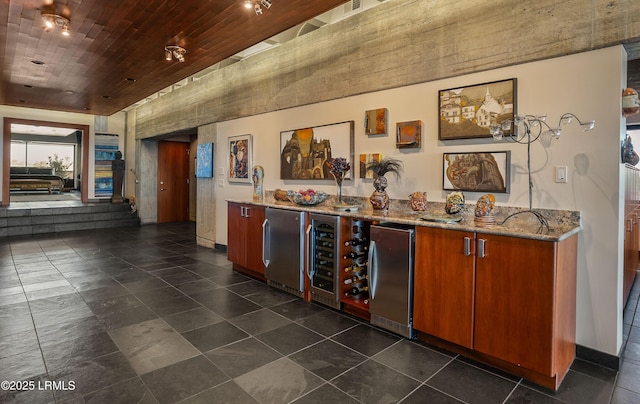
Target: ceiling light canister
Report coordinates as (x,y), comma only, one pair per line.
(247,4)
(258,9)
(266,3)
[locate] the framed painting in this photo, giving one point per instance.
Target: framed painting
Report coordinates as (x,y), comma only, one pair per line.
(468,112)
(204,160)
(240,158)
(476,172)
(304,153)
(375,121)
(365,159)
(408,134)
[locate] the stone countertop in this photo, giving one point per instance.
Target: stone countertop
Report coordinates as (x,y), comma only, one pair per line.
(562,223)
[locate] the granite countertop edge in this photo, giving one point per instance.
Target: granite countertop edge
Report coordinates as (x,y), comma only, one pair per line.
(562,224)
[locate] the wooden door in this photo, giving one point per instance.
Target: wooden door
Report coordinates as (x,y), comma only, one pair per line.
(444,284)
(173,182)
(515,294)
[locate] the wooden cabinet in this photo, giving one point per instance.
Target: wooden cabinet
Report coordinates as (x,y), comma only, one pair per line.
(631,228)
(444,282)
(244,238)
(506,298)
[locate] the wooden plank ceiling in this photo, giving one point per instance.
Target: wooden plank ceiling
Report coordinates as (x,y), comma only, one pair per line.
(115,56)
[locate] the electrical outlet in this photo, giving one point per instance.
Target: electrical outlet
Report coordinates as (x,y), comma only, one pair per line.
(561,174)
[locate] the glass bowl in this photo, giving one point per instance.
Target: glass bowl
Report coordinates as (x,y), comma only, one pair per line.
(300,199)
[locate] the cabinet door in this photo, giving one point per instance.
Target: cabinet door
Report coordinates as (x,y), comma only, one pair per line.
(444,284)
(515,284)
(236,234)
(253,243)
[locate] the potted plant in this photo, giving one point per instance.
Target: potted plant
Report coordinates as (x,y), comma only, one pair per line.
(379,198)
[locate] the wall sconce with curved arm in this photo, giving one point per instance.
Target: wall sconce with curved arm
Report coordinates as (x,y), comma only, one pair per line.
(526,129)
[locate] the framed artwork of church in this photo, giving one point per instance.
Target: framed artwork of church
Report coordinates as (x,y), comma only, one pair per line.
(468,112)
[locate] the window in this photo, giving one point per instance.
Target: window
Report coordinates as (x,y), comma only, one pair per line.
(59,156)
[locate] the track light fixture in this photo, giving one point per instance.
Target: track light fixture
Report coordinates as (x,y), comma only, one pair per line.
(174,51)
(257,5)
(51,20)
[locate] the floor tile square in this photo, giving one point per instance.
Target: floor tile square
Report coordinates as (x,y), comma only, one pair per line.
(374,382)
(327,359)
(298,309)
(183,379)
(191,319)
(326,394)
(259,321)
(289,338)
(130,391)
(471,384)
(226,393)
(412,359)
(243,356)
(270,298)
(278,382)
(366,339)
(214,336)
(328,322)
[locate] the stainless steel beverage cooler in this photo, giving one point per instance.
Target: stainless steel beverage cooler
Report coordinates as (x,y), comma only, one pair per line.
(283,249)
(323,268)
(391,255)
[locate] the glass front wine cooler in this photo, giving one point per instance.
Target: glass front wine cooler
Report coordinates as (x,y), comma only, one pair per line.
(324,266)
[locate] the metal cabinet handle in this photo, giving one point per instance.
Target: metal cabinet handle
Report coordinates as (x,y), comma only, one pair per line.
(630,228)
(467,246)
(265,242)
(307,233)
(373,266)
(246,212)
(481,250)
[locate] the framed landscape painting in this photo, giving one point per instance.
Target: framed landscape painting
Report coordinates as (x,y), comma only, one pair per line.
(476,172)
(468,112)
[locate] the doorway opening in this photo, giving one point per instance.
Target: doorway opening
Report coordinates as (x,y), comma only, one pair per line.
(44,158)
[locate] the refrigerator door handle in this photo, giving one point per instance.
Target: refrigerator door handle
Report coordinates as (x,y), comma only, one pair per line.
(373,265)
(265,242)
(309,252)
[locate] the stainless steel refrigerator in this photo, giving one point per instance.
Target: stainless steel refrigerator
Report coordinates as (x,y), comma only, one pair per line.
(283,249)
(391,256)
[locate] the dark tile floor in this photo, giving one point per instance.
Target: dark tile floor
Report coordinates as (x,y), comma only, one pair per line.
(143,315)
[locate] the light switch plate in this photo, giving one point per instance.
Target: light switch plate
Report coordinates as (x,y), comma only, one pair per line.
(561,174)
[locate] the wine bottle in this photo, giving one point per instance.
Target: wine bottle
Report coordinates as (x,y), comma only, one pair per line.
(356,291)
(356,268)
(354,255)
(354,278)
(326,273)
(356,241)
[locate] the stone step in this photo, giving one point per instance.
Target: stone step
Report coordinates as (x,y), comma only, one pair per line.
(25,221)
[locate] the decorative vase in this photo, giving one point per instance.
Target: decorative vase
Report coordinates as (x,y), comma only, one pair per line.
(379,198)
(484,211)
(455,203)
(418,201)
(258,176)
(339,178)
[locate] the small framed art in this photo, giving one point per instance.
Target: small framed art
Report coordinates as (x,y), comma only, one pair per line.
(408,134)
(375,121)
(240,158)
(476,172)
(204,160)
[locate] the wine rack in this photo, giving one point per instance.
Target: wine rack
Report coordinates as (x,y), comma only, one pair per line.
(324,265)
(354,277)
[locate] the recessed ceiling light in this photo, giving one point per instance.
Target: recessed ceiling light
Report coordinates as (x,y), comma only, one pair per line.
(130,79)
(37,62)
(28,85)
(22,101)
(106,97)
(68,92)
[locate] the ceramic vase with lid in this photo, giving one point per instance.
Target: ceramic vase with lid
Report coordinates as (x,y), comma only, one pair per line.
(455,203)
